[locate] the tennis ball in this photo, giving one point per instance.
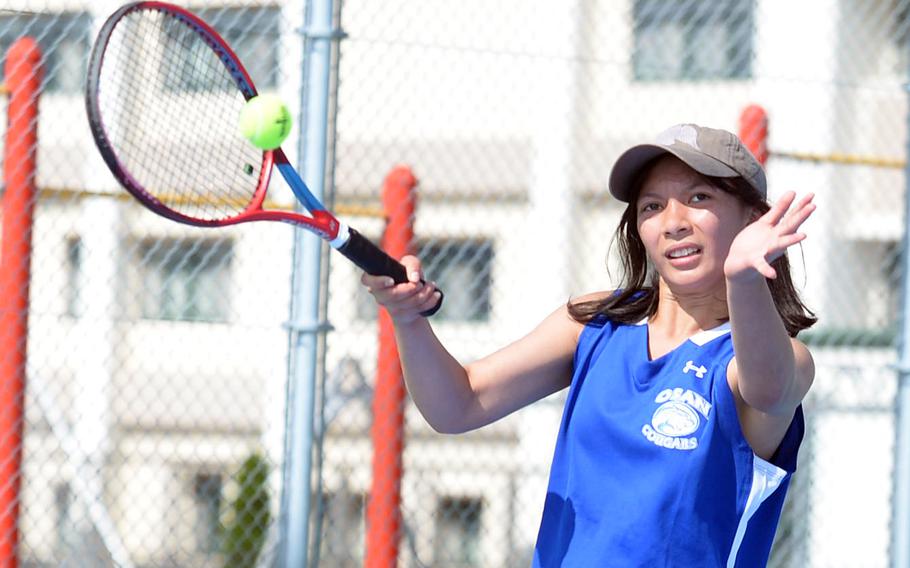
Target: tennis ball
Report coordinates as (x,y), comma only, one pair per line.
(265,121)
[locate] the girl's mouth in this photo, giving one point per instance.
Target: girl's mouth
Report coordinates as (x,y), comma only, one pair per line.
(683,252)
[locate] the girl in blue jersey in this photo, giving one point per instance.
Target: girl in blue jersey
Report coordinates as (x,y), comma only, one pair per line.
(683,417)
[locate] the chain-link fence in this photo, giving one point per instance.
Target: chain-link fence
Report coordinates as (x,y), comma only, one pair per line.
(154,411)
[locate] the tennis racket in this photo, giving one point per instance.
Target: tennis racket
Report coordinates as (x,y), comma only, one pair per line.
(163,95)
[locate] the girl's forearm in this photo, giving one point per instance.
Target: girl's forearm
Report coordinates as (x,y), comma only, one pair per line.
(764,353)
(436,381)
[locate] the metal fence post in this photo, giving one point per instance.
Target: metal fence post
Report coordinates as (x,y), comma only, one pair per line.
(900,516)
(305,325)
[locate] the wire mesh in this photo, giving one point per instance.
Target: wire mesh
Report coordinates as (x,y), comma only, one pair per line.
(156,376)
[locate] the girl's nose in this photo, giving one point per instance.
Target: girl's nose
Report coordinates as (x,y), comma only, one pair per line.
(675,218)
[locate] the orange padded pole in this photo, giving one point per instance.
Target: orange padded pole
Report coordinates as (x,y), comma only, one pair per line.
(384,526)
(23,80)
(753,131)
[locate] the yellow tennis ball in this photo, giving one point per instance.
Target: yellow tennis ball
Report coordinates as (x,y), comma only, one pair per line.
(265,121)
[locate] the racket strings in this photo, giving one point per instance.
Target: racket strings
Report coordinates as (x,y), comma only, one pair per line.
(170,109)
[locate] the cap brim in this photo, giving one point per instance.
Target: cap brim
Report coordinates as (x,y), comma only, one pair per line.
(627,168)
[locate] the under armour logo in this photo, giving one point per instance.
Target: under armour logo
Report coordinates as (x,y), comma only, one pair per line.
(699,371)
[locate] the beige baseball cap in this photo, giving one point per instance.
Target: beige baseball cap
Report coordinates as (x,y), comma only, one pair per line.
(709,151)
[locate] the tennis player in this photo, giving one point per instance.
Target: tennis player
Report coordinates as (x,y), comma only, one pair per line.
(683,420)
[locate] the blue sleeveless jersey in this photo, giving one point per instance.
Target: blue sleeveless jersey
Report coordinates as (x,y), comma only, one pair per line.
(651,468)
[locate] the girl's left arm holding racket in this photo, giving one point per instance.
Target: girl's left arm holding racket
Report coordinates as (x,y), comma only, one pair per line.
(163,96)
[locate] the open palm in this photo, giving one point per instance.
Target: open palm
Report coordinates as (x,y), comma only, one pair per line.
(763,241)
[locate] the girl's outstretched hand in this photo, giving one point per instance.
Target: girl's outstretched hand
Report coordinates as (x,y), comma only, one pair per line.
(407,300)
(767,238)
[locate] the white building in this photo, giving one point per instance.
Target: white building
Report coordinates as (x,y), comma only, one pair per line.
(157,352)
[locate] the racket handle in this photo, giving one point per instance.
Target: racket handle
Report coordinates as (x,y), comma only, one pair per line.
(373,260)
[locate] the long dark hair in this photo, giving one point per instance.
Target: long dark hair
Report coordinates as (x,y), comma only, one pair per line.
(637,296)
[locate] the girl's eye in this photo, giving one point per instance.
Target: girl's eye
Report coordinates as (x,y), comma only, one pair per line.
(700,197)
(648,207)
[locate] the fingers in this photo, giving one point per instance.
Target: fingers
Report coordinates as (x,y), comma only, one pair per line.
(773,253)
(404,301)
(764,241)
(779,209)
(379,282)
(765,269)
(787,217)
(412,266)
(426,300)
(408,299)
(790,240)
(374,283)
(798,215)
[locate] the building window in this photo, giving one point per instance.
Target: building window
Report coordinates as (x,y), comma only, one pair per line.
(867,296)
(890,270)
(879,264)
(64,528)
(462,269)
(64,39)
(252,33)
(693,40)
(74,262)
(207,498)
(186,279)
(343,530)
(457,542)
(900,35)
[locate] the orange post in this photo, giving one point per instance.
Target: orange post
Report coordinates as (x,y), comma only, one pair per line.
(23,80)
(753,131)
(384,507)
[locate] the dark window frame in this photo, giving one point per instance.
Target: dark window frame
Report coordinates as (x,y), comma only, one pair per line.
(654,19)
(56,33)
(172,289)
(458,532)
(253,33)
(465,302)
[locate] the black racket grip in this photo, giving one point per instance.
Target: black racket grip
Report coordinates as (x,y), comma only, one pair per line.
(373,260)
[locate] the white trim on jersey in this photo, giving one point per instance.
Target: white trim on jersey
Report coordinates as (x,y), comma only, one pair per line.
(766,478)
(703,337)
(708,335)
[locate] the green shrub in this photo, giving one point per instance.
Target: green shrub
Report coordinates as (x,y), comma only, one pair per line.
(249,515)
